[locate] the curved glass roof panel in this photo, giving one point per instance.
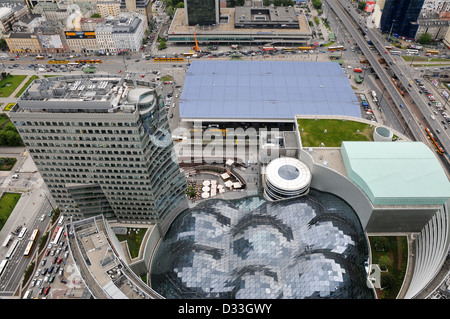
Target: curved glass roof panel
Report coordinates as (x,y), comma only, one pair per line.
(308,247)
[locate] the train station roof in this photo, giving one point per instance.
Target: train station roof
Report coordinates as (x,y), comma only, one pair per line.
(265,90)
(396,173)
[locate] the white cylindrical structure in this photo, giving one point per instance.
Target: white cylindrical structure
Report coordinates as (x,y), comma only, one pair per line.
(286,177)
(381,133)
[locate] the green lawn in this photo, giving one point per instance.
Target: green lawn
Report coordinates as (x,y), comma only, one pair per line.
(408,58)
(7,204)
(9,84)
(337,132)
(391,254)
(31,79)
(3,119)
(133,240)
(7,163)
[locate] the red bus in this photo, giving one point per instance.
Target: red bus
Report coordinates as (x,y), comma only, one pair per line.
(358,70)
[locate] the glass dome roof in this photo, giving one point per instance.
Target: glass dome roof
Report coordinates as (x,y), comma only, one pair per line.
(308,247)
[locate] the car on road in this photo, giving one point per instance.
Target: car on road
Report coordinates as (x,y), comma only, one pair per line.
(38,272)
(39,282)
(47,290)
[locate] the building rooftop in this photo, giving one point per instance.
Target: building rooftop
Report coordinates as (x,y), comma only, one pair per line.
(94,93)
(396,173)
(266,17)
(267,90)
(5,11)
(179,24)
(101,266)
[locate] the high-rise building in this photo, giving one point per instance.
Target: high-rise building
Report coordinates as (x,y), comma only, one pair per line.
(400,17)
(141,6)
(202,12)
(103,146)
(122,34)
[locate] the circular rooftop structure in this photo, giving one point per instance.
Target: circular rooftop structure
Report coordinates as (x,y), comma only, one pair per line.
(287,177)
(381,133)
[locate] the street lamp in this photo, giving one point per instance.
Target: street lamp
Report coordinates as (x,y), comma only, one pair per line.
(392,25)
(423,74)
(381,99)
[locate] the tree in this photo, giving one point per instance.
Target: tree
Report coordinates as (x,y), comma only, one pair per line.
(387,280)
(162,45)
(3,139)
(13,139)
(170,11)
(191,191)
(385,262)
(3,44)
(361,5)
(425,38)
(266,3)
(277,3)
(96,15)
(317,4)
(379,243)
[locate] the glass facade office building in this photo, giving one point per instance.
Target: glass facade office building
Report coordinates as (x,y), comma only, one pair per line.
(202,12)
(401,16)
(102,146)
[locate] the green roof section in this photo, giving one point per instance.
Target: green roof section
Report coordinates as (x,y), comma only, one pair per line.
(396,173)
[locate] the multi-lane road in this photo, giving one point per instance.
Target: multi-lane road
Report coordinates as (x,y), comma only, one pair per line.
(13,274)
(411,108)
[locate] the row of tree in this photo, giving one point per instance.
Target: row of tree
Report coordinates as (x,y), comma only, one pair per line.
(172,6)
(9,135)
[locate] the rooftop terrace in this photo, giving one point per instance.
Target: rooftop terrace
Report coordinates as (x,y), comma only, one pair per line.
(93,93)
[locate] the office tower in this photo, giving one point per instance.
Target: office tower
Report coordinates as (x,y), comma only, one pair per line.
(142,6)
(103,146)
(400,17)
(202,12)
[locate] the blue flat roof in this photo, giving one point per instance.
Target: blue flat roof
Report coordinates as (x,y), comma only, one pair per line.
(271,90)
